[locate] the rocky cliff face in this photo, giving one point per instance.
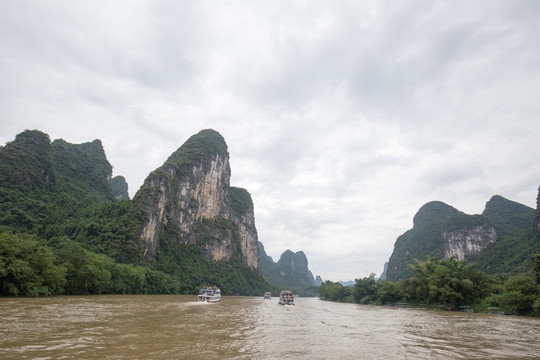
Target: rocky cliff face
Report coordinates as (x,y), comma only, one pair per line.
(468,241)
(440,230)
(244,216)
(189,199)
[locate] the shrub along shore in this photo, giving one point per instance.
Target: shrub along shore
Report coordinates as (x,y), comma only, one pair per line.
(447,285)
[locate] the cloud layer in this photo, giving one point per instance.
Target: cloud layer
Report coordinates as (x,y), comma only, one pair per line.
(342,118)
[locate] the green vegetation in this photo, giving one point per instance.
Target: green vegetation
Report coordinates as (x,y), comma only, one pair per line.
(196,150)
(119,188)
(241,201)
(450,283)
(284,275)
(187,264)
(509,255)
(28,268)
(62,231)
(424,240)
(108,227)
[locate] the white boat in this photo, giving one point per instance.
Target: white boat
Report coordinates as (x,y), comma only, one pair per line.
(210,294)
(267,295)
(286,297)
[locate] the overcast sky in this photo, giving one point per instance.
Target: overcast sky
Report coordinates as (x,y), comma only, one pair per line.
(342,117)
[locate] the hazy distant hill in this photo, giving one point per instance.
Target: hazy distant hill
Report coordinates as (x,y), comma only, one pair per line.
(119,188)
(291,271)
(497,240)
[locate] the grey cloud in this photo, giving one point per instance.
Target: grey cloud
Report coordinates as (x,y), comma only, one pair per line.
(341,120)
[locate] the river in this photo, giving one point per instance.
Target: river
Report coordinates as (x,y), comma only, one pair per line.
(177,327)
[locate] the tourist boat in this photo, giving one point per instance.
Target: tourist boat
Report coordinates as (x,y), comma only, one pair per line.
(494,310)
(267,295)
(210,294)
(286,298)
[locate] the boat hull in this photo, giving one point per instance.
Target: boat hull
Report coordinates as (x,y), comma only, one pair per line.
(286,298)
(210,295)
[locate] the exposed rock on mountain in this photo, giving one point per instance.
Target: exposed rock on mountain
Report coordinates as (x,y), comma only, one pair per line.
(442,231)
(467,241)
(186,216)
(189,200)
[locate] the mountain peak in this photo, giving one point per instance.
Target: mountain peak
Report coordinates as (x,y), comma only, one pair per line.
(433,211)
(511,216)
(199,147)
(189,200)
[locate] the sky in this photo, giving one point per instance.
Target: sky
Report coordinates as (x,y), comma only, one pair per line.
(342,118)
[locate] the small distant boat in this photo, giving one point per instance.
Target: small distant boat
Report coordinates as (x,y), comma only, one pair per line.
(267,295)
(494,310)
(286,298)
(210,294)
(401,305)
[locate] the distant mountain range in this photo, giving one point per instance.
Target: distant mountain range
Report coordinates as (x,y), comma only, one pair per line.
(502,240)
(290,272)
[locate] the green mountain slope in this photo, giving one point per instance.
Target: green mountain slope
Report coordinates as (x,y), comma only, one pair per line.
(518,239)
(424,240)
(43,182)
(501,236)
(57,200)
(290,272)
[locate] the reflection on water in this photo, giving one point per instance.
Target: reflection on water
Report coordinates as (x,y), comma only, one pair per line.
(176,327)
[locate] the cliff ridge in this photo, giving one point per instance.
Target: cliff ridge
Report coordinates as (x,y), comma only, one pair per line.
(189,199)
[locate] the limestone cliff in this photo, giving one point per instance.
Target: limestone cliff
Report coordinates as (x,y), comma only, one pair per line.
(190,200)
(468,241)
(442,231)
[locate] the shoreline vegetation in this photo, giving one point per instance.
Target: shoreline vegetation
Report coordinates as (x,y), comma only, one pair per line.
(30,267)
(448,285)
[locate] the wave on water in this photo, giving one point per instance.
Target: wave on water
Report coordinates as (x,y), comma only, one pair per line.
(198,303)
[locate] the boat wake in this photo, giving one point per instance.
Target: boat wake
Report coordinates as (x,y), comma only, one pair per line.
(198,303)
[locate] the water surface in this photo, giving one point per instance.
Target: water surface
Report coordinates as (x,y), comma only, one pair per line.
(177,327)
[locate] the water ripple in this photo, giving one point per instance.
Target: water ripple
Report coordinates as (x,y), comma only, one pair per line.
(177,327)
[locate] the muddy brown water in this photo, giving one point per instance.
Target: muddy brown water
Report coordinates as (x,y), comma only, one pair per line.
(177,327)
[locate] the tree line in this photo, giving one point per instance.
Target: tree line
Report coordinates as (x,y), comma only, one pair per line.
(28,267)
(448,283)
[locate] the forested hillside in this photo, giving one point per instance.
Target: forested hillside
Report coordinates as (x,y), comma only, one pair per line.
(518,240)
(499,240)
(66,228)
(499,269)
(290,272)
